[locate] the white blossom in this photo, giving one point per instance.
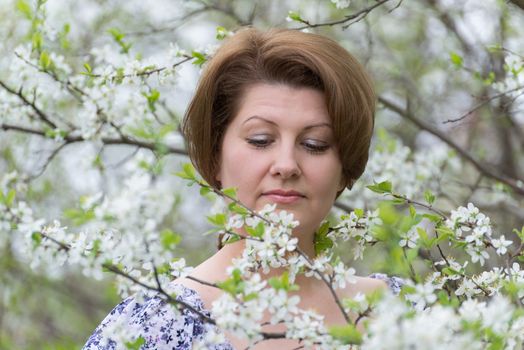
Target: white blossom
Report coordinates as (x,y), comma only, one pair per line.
(501,244)
(409,239)
(341,4)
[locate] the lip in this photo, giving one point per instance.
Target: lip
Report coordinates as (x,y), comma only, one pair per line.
(283,196)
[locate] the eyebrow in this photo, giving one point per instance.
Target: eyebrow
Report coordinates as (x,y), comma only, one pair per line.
(328,125)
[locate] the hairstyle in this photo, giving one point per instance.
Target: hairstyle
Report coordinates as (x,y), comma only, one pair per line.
(281,56)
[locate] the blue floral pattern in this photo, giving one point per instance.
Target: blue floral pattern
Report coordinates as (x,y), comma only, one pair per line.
(163,327)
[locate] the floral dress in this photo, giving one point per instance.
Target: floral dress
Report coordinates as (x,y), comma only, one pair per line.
(162,327)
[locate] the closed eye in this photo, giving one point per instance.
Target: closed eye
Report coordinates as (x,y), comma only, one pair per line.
(259,141)
(316,146)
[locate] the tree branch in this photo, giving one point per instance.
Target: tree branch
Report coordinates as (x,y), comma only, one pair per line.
(357,16)
(516,184)
(123,140)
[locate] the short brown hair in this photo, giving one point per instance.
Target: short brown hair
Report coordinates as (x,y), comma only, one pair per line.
(281,56)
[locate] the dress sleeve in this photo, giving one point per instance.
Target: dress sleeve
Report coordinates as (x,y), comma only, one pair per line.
(159,323)
(394,283)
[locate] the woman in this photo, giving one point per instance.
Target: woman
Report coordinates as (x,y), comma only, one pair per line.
(285,117)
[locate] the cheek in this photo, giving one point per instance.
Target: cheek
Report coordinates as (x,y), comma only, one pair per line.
(328,177)
(240,168)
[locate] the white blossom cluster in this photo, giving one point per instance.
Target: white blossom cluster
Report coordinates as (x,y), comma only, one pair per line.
(395,327)
(357,226)
(109,99)
(135,245)
(474,227)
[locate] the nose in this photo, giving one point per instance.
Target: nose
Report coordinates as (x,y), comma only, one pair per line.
(285,163)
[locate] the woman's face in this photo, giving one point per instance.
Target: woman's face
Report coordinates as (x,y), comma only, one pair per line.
(279,148)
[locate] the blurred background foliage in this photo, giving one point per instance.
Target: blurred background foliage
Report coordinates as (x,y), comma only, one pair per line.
(449,79)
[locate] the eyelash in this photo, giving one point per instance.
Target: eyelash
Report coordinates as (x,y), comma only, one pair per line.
(310,148)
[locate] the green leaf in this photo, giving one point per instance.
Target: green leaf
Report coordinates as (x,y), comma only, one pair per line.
(412,211)
(36,237)
(24,8)
(117,35)
(10,198)
(426,242)
(233,285)
(64,42)
(233,238)
(295,16)
(97,243)
(199,58)
(204,190)
(78,216)
(258,231)
(359,212)
(230,192)
(490,79)
(397,201)
(187,173)
(520,233)
(450,272)
(88,68)
(45,60)
(152,97)
(237,209)
(221,33)
(217,219)
(282,282)
(429,197)
(119,39)
(382,187)
(321,240)
(347,334)
(119,77)
(456,59)
(444,233)
(135,345)
(432,217)
(169,239)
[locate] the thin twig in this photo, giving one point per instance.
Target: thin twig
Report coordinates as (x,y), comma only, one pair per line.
(420,204)
(48,161)
(357,16)
(44,117)
(479,105)
(209,284)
